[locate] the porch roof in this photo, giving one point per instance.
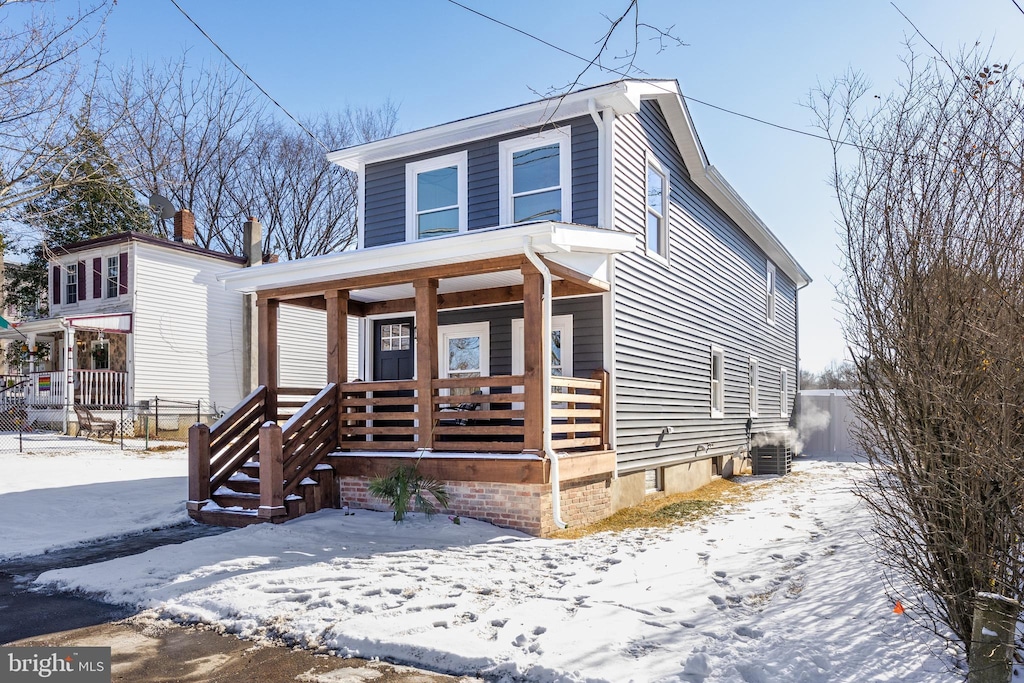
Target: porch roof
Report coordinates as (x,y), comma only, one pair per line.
(582,250)
(116,323)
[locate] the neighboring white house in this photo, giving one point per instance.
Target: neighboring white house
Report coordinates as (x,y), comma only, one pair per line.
(134,317)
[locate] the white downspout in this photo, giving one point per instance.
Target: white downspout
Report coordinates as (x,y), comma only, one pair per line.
(549,451)
(602,162)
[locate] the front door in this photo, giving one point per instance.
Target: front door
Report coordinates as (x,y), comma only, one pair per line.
(393,349)
(394,358)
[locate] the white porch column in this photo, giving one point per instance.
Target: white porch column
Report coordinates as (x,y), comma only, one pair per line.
(69,375)
(31,352)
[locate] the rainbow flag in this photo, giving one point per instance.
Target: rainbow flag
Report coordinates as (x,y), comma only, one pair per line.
(44,382)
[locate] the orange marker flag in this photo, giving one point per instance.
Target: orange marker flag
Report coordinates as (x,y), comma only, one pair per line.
(898,609)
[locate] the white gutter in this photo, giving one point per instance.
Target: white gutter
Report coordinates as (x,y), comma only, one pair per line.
(549,451)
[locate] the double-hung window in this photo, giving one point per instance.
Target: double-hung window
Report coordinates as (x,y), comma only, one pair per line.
(535,178)
(770,289)
(113,278)
(71,284)
(657,209)
(717,382)
(436,191)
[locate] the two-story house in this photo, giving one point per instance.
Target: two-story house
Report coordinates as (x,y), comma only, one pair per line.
(564,307)
(136,319)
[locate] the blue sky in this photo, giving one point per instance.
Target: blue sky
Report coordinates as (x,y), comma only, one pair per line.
(439,62)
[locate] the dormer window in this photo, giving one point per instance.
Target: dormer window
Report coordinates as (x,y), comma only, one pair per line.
(113,278)
(436,197)
(536,178)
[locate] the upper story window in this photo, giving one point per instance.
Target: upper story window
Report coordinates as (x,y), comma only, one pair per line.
(113,279)
(770,293)
(657,209)
(71,284)
(535,178)
(717,382)
(436,196)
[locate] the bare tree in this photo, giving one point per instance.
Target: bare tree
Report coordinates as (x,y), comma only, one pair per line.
(203,138)
(185,134)
(307,204)
(929,181)
(42,97)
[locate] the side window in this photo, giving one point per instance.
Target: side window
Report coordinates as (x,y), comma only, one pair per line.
(113,277)
(753,382)
(436,191)
(770,293)
(717,382)
(783,393)
(535,178)
(657,209)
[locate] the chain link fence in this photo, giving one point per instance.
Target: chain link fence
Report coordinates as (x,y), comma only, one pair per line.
(162,422)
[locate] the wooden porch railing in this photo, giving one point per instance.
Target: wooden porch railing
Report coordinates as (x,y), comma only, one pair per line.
(378,416)
(579,413)
(381,416)
(217,452)
(289,454)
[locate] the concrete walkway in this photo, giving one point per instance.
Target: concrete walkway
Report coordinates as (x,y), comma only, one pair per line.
(147,650)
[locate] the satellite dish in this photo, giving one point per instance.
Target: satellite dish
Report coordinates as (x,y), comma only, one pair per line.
(161,205)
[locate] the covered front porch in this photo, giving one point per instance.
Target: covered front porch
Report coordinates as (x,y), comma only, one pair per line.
(427,394)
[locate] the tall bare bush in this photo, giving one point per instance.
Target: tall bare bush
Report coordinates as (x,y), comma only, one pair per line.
(931,189)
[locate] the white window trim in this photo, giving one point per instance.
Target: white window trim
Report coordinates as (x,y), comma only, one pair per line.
(770,294)
(783,392)
(70,271)
(458,159)
(753,388)
(562,323)
(717,394)
(506,148)
(480,329)
(105,282)
(655,165)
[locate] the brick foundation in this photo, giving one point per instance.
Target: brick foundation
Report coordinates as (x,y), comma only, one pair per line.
(524,507)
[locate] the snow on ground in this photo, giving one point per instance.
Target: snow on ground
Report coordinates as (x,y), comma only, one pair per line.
(63,491)
(783,588)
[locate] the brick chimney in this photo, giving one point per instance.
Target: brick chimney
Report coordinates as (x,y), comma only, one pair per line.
(185,227)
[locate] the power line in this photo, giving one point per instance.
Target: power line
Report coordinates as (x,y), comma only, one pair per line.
(250,78)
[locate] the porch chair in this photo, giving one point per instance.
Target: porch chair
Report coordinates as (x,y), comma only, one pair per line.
(461,407)
(90,424)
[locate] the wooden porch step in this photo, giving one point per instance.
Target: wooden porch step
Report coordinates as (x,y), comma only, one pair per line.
(234,499)
(241,518)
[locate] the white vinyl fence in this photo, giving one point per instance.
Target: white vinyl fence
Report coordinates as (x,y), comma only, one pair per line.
(824,421)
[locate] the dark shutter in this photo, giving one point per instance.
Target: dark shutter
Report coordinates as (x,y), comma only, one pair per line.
(81,280)
(97,278)
(122,273)
(56,284)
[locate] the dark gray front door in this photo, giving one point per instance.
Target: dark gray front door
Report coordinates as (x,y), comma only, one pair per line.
(393,349)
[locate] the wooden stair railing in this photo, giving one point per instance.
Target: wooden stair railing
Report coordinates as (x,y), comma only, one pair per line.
(290,453)
(215,453)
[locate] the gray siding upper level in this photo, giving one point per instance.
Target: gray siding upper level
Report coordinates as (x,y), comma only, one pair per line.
(384,184)
(668,315)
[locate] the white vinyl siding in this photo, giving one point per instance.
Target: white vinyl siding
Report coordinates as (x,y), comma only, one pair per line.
(188,328)
(302,346)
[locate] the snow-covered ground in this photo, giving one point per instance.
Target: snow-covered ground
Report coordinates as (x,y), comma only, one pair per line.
(63,492)
(783,588)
